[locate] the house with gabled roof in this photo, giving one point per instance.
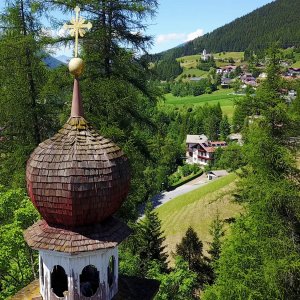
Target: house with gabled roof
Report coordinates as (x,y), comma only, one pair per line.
(200,150)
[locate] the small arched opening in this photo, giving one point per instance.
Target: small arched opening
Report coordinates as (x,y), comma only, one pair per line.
(111,271)
(89,281)
(59,281)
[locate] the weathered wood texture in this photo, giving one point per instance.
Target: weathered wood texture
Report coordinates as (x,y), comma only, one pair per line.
(108,234)
(77,177)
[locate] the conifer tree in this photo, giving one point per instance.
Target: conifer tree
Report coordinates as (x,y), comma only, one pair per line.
(191,250)
(151,240)
(179,284)
(224,127)
(23,114)
(217,232)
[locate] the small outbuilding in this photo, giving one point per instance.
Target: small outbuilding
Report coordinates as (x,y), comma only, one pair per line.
(216,174)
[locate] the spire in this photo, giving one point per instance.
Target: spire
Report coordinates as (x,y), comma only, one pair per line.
(77,28)
(77,107)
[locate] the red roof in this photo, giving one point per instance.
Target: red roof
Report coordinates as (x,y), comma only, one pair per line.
(108,234)
(77,177)
(211,146)
(217,143)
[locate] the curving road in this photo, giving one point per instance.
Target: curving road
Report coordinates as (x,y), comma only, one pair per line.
(164,197)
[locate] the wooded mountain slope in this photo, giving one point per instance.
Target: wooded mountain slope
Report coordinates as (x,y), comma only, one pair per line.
(275,22)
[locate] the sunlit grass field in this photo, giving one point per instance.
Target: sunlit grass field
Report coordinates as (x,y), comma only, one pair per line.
(198,209)
(296,64)
(195,72)
(226,55)
(223,96)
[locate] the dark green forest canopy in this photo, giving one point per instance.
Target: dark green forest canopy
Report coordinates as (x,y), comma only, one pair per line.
(277,21)
(120,99)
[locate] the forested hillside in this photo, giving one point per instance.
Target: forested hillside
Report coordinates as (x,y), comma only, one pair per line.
(259,257)
(275,22)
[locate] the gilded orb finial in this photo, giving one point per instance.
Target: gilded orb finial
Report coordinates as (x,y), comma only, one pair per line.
(77,28)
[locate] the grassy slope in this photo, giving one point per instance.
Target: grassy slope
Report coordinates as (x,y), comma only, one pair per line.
(196,72)
(189,63)
(198,209)
(297,63)
(223,96)
(226,55)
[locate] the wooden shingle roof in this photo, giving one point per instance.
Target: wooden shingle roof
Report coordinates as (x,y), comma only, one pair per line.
(77,177)
(108,234)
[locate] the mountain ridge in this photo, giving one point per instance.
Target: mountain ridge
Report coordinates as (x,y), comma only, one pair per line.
(277,21)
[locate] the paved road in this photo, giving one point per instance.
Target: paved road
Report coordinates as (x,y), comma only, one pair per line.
(164,197)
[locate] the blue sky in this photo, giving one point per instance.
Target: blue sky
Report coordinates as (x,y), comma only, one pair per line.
(178,21)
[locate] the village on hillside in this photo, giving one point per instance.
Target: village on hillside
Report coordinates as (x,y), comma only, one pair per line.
(236,72)
(136,173)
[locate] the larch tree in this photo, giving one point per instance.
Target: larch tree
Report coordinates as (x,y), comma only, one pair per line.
(151,240)
(22,75)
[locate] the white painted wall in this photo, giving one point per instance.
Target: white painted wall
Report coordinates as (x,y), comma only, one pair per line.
(73,266)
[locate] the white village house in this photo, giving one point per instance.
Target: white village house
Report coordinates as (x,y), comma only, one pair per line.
(200,150)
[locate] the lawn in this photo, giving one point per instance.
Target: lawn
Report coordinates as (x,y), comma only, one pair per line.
(234,55)
(189,61)
(223,96)
(195,72)
(296,64)
(198,209)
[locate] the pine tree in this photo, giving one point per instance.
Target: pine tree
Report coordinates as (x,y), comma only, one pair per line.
(179,284)
(224,127)
(151,240)
(217,232)
(191,250)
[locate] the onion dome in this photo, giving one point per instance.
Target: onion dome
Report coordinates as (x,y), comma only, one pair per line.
(77,177)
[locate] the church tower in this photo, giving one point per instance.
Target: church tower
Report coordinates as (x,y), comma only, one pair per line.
(77,180)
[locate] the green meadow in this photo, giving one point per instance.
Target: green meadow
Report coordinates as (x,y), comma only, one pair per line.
(192,73)
(227,55)
(225,97)
(198,209)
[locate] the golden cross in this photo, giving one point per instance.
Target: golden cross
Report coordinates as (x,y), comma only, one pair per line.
(77,28)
